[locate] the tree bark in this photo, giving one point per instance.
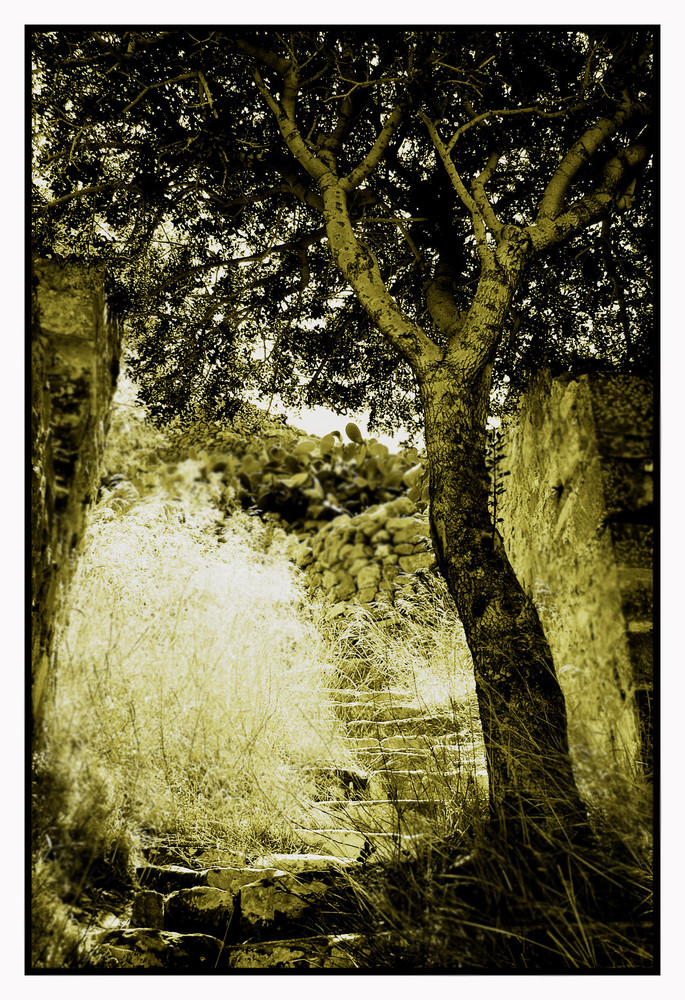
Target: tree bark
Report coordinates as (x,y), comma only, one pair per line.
(521,705)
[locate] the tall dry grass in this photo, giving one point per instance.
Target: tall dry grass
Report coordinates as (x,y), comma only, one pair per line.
(190,694)
(187,698)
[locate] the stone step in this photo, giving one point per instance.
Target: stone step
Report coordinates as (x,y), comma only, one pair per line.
(345,695)
(365,846)
(357,743)
(442,743)
(440,757)
(252,903)
(170,878)
(413,742)
(420,784)
(356,710)
(339,951)
(151,948)
(422,725)
(306,864)
(275,906)
(200,910)
(377,815)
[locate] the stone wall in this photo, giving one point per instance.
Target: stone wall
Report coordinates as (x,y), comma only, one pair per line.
(368,559)
(578,529)
(75,348)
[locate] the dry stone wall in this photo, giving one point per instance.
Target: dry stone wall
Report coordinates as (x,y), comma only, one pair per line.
(372,558)
(75,348)
(578,529)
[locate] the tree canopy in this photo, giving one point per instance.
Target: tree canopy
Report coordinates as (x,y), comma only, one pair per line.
(189,162)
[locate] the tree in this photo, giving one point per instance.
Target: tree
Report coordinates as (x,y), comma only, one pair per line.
(408,218)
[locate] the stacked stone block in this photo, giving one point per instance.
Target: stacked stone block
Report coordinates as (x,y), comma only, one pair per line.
(368,559)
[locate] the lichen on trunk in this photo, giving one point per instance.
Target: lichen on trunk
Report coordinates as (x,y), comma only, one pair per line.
(521,704)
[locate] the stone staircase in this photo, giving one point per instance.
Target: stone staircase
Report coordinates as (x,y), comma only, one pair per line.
(201,909)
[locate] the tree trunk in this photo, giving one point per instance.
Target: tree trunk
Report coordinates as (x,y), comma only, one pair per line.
(522,709)
(521,705)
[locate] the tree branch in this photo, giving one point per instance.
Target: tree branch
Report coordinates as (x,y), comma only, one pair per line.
(154,86)
(373,157)
(360,268)
(508,112)
(578,155)
(477,220)
(484,205)
(290,132)
(296,246)
(547,231)
(83,192)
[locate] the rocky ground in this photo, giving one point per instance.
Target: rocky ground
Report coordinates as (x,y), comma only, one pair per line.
(200,908)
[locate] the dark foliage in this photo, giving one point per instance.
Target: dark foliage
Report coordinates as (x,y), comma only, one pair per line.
(156,153)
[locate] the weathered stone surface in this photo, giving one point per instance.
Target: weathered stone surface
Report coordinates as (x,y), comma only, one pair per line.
(407,742)
(422,725)
(379,538)
(340,842)
(415,783)
(396,524)
(148,909)
(279,901)
(304,556)
(342,951)
(400,507)
(308,864)
(580,456)
(382,712)
(415,529)
(201,908)
(345,579)
(233,879)
(369,576)
(299,953)
(411,563)
(404,549)
(75,347)
(406,760)
(362,743)
(165,878)
(145,948)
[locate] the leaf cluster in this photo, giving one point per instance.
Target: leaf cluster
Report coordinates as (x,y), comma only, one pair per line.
(157,153)
(311,480)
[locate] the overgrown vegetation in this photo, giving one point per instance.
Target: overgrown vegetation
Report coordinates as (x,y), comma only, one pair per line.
(501,906)
(190,698)
(520,900)
(188,690)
